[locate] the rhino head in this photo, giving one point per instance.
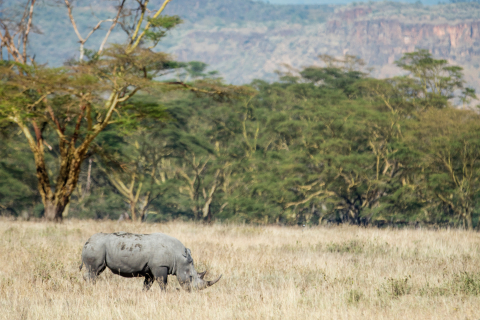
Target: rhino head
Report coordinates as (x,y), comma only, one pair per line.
(188,277)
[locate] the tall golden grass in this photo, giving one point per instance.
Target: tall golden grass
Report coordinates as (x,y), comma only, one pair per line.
(268,273)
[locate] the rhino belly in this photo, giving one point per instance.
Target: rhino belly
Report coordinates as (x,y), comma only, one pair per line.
(127,257)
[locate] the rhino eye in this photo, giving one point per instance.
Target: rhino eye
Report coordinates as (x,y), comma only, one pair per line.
(191,278)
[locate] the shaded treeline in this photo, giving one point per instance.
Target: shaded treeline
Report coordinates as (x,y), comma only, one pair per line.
(321,144)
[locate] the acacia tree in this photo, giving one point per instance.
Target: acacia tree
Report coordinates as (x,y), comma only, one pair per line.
(449,142)
(80,100)
(433,81)
(140,173)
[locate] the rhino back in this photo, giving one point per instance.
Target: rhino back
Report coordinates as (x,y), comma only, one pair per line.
(131,253)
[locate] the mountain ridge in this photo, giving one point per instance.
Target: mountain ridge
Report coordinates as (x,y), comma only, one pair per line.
(245,40)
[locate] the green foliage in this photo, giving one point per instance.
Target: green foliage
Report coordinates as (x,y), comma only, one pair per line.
(18,191)
(435,79)
(194,70)
(159,27)
(323,145)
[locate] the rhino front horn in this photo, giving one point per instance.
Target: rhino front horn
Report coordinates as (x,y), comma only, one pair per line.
(206,284)
(211,283)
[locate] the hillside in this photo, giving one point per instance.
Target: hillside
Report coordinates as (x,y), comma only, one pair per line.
(379,33)
(246,39)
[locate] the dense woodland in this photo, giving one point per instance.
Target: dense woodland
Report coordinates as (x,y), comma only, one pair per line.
(127,132)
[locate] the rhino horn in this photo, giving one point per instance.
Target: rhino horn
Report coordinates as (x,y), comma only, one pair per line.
(206,284)
(211,283)
(202,274)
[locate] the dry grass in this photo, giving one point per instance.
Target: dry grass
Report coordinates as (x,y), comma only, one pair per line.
(268,273)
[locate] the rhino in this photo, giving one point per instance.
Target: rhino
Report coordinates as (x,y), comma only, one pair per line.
(153,256)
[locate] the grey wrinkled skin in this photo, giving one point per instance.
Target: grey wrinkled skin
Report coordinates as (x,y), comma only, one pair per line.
(153,256)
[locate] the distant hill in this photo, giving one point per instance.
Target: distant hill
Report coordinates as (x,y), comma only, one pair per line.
(244,39)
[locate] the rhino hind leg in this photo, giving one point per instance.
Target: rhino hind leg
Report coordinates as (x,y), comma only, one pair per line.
(161,274)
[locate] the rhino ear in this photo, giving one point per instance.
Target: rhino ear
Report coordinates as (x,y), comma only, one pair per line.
(188,255)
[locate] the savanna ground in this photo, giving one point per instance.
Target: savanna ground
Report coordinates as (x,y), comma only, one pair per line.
(268,273)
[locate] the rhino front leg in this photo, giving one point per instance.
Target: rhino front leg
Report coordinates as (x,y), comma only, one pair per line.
(93,271)
(149,279)
(161,274)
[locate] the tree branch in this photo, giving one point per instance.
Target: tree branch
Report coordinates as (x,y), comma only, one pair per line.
(77,125)
(80,38)
(111,105)
(114,23)
(38,133)
(89,117)
(134,46)
(96,28)
(10,44)
(60,130)
(140,21)
(25,35)
(69,8)
(194,89)
(139,189)
(128,96)
(310,197)
(119,185)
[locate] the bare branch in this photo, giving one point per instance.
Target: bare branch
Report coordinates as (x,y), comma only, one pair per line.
(95,29)
(69,8)
(7,39)
(25,35)
(84,40)
(114,23)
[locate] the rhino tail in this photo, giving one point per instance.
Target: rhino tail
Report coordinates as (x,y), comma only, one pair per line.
(81,266)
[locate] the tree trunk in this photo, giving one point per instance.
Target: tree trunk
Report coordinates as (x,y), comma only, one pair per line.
(195,212)
(468,217)
(66,182)
(133,213)
(206,209)
(206,212)
(54,210)
(144,207)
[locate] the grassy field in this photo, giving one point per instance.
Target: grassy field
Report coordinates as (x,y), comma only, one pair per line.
(268,273)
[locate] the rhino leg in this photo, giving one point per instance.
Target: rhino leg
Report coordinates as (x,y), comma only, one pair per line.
(161,274)
(93,271)
(149,279)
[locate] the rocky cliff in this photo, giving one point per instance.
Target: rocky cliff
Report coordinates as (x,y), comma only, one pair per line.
(382,40)
(378,33)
